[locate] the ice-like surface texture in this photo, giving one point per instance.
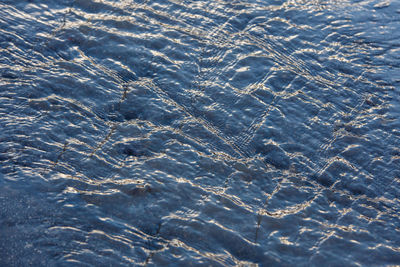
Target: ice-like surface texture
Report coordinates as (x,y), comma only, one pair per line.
(205,133)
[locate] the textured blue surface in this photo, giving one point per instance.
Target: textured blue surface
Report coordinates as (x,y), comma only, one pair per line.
(174,132)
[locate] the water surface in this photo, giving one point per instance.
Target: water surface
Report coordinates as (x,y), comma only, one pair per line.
(210,133)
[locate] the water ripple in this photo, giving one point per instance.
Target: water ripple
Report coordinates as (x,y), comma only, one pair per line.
(199,132)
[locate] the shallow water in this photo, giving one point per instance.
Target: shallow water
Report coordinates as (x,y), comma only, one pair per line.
(199,132)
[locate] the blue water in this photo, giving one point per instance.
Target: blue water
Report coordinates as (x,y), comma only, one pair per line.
(204,133)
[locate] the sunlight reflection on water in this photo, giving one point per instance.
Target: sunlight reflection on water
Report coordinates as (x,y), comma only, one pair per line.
(199,132)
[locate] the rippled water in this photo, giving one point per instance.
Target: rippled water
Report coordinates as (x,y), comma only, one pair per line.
(199,132)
